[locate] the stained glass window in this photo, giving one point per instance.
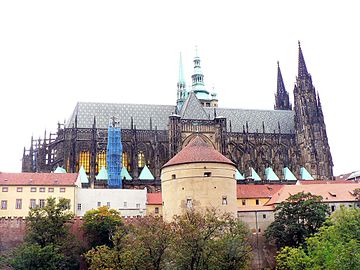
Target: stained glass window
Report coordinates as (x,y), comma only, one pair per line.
(141,159)
(84,161)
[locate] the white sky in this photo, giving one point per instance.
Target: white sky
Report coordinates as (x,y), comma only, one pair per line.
(55,53)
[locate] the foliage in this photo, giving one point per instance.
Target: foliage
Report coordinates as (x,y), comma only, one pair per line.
(48,242)
(36,257)
(192,241)
(100,225)
(300,216)
(209,241)
(336,246)
(47,225)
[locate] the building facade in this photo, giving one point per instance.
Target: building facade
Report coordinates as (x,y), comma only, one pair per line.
(288,136)
(22,191)
(129,202)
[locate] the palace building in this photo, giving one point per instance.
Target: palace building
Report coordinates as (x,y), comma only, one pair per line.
(288,138)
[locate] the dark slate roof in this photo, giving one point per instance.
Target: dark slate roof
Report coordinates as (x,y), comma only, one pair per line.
(255,119)
(159,114)
(141,114)
(192,109)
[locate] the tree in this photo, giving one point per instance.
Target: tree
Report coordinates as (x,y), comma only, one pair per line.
(193,241)
(300,216)
(335,246)
(140,245)
(47,225)
(100,225)
(209,241)
(48,242)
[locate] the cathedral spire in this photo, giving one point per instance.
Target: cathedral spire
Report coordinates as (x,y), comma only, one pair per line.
(302,70)
(181,86)
(197,77)
(282,101)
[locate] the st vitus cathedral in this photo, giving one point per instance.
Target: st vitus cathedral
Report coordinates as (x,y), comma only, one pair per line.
(286,137)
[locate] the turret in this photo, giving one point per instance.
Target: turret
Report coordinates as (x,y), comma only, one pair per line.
(181,87)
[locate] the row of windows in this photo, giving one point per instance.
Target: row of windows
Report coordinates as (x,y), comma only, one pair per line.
(19,203)
(84,160)
(32,189)
(189,202)
(257,202)
(108,204)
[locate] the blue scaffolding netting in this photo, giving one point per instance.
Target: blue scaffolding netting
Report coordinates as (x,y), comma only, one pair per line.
(113,157)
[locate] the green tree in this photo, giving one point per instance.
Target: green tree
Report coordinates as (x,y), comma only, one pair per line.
(193,241)
(36,257)
(100,225)
(209,241)
(48,242)
(141,245)
(335,246)
(300,216)
(48,225)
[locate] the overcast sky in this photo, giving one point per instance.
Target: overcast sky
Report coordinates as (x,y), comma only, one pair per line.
(56,53)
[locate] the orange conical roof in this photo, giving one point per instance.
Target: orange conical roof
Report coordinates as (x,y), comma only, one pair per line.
(198,151)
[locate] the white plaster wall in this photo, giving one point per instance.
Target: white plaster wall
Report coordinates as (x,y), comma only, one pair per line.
(130,202)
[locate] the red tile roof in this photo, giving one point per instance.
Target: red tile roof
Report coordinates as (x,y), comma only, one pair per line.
(256,191)
(329,192)
(38,179)
(311,182)
(198,151)
(154,198)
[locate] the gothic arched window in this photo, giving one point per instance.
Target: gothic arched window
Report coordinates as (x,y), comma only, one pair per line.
(141,159)
(84,160)
(101,160)
(125,161)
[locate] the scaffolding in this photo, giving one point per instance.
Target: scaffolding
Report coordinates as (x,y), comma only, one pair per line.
(114,155)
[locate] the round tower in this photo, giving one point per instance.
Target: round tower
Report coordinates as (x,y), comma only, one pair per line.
(198,177)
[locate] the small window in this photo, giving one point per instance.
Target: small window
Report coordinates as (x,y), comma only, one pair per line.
(33,189)
(79,206)
(62,189)
(138,205)
(108,204)
(4,204)
(257,202)
(125,204)
(207,174)
(5,189)
(42,189)
(18,204)
(243,202)
(32,203)
(42,203)
(173,176)
(50,189)
(259,230)
(224,200)
(264,216)
(19,189)
(189,203)
(333,208)
(156,210)
(98,204)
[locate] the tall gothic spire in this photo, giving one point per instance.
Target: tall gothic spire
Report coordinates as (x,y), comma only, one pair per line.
(302,70)
(181,86)
(282,101)
(181,80)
